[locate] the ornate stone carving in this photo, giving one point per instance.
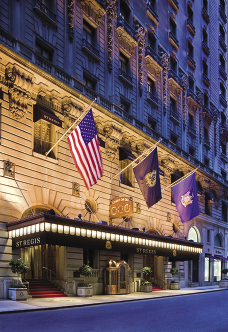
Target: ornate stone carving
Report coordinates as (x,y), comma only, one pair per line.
(9,169)
(184,82)
(111,14)
(199,96)
(215,114)
(70,16)
(126,37)
(20,85)
(93,11)
(113,135)
(165,65)
(71,109)
(141,37)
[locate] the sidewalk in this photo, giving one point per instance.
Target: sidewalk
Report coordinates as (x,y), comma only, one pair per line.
(8,306)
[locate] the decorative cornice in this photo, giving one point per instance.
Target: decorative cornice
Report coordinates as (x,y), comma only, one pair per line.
(92,11)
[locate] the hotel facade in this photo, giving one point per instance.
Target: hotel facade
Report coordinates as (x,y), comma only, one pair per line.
(157,73)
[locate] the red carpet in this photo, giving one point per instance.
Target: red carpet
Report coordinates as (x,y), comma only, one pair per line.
(157,288)
(39,288)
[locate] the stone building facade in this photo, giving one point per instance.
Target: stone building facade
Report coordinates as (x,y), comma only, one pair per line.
(158,72)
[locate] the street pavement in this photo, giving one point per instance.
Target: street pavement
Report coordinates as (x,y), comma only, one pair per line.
(195,312)
(8,306)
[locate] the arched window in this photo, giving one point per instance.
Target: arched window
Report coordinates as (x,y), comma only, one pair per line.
(217,241)
(194,234)
(36,210)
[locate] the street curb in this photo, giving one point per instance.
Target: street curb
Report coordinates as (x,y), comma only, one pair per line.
(104,303)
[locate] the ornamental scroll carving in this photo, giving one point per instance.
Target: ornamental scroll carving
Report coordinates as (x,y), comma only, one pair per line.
(111,14)
(215,114)
(165,65)
(199,96)
(141,37)
(113,136)
(70,16)
(71,110)
(184,82)
(20,85)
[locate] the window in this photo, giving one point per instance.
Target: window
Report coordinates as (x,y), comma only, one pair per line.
(173,64)
(152,123)
(217,242)
(206,161)
(124,11)
(88,257)
(88,33)
(194,234)
(223,148)
(191,120)
(152,4)
(205,36)
(152,41)
(191,151)
(173,106)
(47,3)
(222,5)
(208,236)
(174,177)
(35,210)
(222,61)
(123,62)
(173,27)
(217,270)
(222,32)
(151,86)
(90,83)
(125,106)
(207,204)
(126,159)
(207,269)
(44,51)
(205,69)
(190,14)
(190,50)
(205,100)
(223,174)
(44,134)
(222,90)
(191,83)
(205,4)
(224,212)
(223,118)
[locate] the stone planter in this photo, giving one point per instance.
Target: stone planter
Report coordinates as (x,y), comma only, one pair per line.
(175,285)
(223,283)
(146,288)
(85,291)
(18,294)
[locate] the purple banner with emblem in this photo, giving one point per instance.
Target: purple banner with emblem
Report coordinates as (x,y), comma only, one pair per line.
(147,176)
(186,199)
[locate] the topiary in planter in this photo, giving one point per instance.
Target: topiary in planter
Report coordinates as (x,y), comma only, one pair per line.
(174,271)
(18,266)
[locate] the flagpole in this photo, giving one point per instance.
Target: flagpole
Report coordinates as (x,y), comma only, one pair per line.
(153,146)
(181,179)
(83,114)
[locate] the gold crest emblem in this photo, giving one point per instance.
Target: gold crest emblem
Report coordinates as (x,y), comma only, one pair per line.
(174,253)
(108,245)
(151,179)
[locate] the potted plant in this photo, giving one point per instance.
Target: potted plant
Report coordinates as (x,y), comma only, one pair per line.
(223,283)
(146,287)
(175,284)
(146,271)
(17,290)
(85,289)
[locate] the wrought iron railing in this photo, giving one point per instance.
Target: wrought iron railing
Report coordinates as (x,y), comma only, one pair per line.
(152,12)
(90,47)
(153,54)
(222,100)
(222,43)
(191,26)
(152,97)
(222,72)
(52,276)
(205,15)
(125,75)
(43,63)
(191,61)
(45,10)
(222,13)
(191,94)
(205,48)
(174,115)
(174,76)
(206,79)
(192,130)
(123,24)
(173,38)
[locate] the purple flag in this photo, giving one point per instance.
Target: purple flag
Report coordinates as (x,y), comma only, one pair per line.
(186,199)
(147,176)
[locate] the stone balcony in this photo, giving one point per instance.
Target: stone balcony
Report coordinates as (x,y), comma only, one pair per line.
(205,15)
(191,62)
(152,61)
(89,48)
(191,27)
(150,12)
(206,80)
(126,36)
(173,40)
(192,131)
(223,131)
(174,116)
(222,43)
(205,48)
(207,114)
(153,98)
(222,100)
(174,4)
(150,52)
(44,12)
(125,77)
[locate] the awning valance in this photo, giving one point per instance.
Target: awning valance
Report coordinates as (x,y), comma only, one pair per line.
(124,154)
(40,113)
(58,230)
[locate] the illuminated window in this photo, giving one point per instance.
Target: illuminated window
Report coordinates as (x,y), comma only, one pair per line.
(194,234)
(126,158)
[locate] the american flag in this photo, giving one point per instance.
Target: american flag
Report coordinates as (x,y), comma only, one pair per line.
(84,147)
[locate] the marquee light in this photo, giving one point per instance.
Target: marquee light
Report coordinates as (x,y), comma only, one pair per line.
(48,227)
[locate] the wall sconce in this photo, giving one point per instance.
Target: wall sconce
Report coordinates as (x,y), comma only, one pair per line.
(138,207)
(75,189)
(9,169)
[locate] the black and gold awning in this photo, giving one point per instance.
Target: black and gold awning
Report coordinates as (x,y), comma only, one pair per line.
(57,230)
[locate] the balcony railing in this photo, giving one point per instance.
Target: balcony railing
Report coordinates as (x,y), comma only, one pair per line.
(222,100)
(191,94)
(206,142)
(191,27)
(125,76)
(222,43)
(191,62)
(174,76)
(174,4)
(43,63)
(222,72)
(90,48)
(174,115)
(205,15)
(153,54)
(45,10)
(206,80)
(192,131)
(205,48)
(173,40)
(152,97)
(222,14)
(123,24)
(152,14)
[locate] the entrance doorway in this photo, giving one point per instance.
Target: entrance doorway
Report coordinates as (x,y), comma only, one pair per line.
(41,260)
(193,271)
(150,261)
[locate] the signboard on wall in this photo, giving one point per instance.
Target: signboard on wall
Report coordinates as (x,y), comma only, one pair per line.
(121,207)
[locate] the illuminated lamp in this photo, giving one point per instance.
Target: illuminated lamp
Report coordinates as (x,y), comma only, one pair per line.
(125,239)
(33,228)
(66,229)
(94,234)
(133,239)
(60,228)
(150,243)
(167,245)
(98,235)
(140,241)
(121,238)
(29,230)
(108,236)
(117,237)
(13,233)
(103,235)
(42,227)
(78,231)
(54,228)
(37,228)
(89,233)
(113,237)
(129,239)
(25,230)
(21,231)
(83,232)
(10,234)
(47,227)
(147,242)
(17,232)
(137,240)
